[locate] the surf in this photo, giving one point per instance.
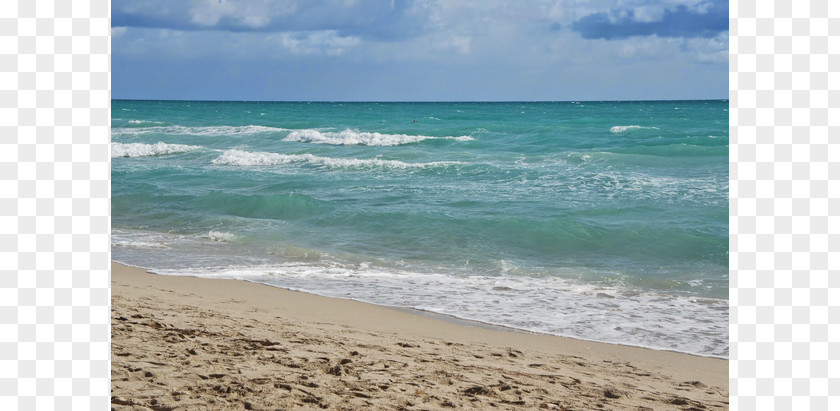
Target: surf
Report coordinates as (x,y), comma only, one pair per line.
(350,137)
(195,131)
(237,157)
(143,150)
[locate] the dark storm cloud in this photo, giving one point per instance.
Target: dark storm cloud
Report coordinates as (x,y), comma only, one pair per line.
(679,22)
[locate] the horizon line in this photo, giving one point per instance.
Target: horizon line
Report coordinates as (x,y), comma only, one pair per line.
(422,101)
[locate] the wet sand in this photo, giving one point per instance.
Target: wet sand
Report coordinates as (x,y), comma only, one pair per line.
(192,343)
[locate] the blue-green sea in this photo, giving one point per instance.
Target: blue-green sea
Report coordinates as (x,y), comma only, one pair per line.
(602,221)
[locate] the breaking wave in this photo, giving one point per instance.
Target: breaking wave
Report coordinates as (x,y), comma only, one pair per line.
(221,236)
(144,122)
(350,137)
(197,131)
(142,150)
(621,129)
(246,158)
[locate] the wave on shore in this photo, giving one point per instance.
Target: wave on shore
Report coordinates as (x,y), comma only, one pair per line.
(546,305)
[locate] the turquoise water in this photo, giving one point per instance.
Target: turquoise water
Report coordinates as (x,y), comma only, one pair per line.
(598,220)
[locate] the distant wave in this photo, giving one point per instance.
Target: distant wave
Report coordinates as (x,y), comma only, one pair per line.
(247,158)
(142,150)
(144,122)
(349,137)
(621,129)
(197,131)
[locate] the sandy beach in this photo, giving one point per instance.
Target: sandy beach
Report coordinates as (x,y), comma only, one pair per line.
(183,343)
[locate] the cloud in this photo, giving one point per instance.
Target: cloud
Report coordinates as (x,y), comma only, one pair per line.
(649,47)
(326,42)
(691,19)
(648,14)
(714,50)
(118,31)
(418,49)
(251,14)
(381,19)
(459,44)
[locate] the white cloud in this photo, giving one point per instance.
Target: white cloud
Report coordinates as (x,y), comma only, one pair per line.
(252,14)
(458,44)
(323,42)
(118,31)
(703,7)
(711,50)
(520,47)
(209,12)
(567,11)
(648,47)
(642,11)
(701,50)
(648,14)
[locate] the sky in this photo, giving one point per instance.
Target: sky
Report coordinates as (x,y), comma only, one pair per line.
(419,50)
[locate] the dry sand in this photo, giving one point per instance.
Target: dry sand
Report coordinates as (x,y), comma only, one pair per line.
(191,343)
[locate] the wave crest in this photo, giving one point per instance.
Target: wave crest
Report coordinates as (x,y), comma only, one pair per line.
(221,236)
(197,131)
(621,129)
(246,158)
(350,137)
(142,150)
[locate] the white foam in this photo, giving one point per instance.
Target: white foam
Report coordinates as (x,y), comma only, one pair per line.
(139,239)
(552,305)
(350,137)
(557,304)
(144,122)
(245,158)
(197,131)
(221,236)
(649,187)
(141,244)
(235,157)
(141,149)
(621,129)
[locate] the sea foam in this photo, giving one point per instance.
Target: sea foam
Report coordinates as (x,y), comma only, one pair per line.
(550,305)
(247,158)
(350,137)
(221,236)
(621,129)
(142,150)
(197,131)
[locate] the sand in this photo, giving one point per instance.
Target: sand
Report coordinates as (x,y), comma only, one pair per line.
(184,343)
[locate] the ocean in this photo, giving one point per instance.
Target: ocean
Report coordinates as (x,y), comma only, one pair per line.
(604,221)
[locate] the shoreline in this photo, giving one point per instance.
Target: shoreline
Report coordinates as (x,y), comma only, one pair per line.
(480,324)
(149,307)
(444,317)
